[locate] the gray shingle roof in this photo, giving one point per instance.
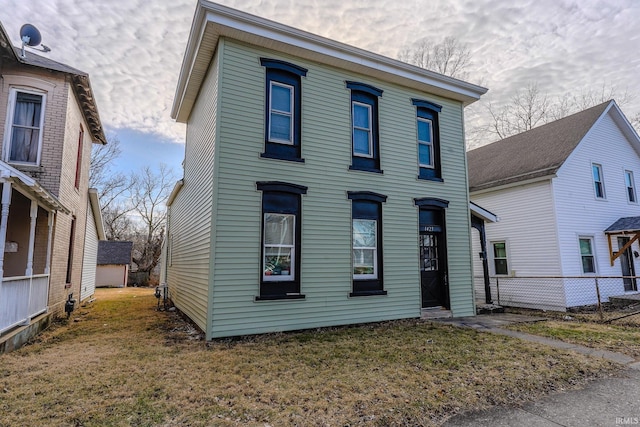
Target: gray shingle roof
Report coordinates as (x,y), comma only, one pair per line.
(112,252)
(630,223)
(536,153)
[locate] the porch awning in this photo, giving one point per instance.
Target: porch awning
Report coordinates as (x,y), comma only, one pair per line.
(31,187)
(624,226)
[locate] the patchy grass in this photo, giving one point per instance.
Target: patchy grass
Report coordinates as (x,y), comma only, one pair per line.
(122,363)
(588,329)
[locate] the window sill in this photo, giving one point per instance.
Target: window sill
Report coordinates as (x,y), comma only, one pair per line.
(363,169)
(430,178)
(367,293)
(280,297)
(277,157)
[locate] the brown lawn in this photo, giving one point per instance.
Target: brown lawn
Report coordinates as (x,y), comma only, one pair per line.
(120,362)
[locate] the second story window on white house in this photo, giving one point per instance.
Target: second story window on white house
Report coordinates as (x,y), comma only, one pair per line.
(27,118)
(586,253)
(631,187)
(500,258)
(281,113)
(598,180)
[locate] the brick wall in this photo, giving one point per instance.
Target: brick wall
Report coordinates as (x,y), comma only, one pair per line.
(57,171)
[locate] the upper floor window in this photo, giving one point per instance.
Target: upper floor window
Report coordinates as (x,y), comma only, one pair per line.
(598,180)
(365,144)
(428,136)
(631,186)
(283,110)
(586,254)
(281,232)
(500,258)
(366,229)
(26,111)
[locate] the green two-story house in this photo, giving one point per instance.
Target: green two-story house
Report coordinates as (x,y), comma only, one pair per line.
(323,184)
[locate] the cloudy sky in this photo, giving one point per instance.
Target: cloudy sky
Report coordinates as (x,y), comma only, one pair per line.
(132,49)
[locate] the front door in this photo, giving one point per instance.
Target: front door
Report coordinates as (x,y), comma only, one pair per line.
(433,262)
(628,269)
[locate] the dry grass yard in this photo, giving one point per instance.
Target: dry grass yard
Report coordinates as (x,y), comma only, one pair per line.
(122,363)
(621,335)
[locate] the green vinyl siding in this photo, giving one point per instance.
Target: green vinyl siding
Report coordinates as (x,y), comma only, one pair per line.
(326,211)
(191,214)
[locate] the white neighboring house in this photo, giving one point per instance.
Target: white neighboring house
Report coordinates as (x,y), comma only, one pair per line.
(93,234)
(566,194)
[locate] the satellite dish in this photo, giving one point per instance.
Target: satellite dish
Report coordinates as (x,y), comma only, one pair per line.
(30,36)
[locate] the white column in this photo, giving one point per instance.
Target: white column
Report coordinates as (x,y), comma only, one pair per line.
(47,267)
(4,218)
(32,238)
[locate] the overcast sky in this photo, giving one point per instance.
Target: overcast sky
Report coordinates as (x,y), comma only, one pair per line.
(132,49)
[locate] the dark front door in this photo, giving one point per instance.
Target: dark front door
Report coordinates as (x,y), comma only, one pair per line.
(628,270)
(433,261)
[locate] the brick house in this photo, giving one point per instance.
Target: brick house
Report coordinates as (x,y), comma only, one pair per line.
(48,122)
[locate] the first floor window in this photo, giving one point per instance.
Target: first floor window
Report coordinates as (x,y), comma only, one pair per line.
(279,246)
(586,253)
(281,240)
(365,249)
(26,127)
(366,246)
(500,258)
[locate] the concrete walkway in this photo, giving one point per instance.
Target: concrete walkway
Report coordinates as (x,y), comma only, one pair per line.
(608,402)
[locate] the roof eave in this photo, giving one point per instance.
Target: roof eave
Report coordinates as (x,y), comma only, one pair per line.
(512,182)
(212,21)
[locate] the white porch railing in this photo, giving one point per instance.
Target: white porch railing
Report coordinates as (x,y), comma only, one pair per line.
(21,299)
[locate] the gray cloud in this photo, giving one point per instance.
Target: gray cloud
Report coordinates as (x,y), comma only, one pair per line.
(133,49)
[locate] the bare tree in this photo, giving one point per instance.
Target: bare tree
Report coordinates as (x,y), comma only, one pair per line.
(113,189)
(449,57)
(149,197)
(529,108)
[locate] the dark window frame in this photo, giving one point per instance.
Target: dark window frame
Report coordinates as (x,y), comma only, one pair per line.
(428,110)
(368,205)
(281,198)
(362,93)
(284,73)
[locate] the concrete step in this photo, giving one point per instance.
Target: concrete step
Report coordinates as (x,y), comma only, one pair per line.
(435,313)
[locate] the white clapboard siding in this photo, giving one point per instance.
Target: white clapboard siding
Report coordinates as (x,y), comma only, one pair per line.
(90,257)
(579,213)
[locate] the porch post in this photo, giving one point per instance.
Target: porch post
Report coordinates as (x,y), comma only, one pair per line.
(32,238)
(4,217)
(51,216)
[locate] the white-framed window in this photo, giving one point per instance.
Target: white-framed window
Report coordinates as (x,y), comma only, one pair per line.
(500,263)
(425,143)
(598,181)
(26,121)
(631,187)
(587,255)
(362,129)
(279,247)
(365,249)
(281,112)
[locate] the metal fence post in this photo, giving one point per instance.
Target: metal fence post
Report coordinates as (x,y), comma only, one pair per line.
(498,289)
(599,301)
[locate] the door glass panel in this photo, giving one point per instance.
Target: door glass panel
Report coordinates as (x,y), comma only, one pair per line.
(428,252)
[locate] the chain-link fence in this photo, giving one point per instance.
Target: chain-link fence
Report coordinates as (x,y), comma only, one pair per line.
(561,293)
